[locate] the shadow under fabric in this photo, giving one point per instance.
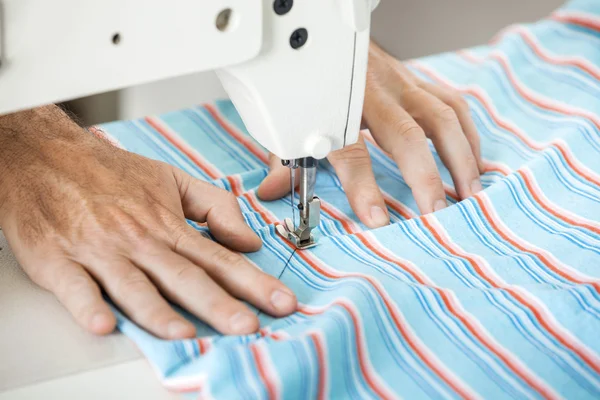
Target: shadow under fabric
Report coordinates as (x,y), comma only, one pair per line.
(496,296)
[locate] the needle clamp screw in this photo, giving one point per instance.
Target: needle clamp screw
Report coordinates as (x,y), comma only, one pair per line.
(282,7)
(299,38)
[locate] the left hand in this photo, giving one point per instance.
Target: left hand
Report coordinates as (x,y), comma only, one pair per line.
(82,215)
(401,111)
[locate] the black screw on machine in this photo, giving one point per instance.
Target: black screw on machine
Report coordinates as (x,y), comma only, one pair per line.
(298,38)
(282,7)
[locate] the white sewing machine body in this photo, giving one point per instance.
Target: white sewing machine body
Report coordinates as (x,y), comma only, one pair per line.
(296,102)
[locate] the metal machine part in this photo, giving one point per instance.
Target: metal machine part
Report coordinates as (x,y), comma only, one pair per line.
(309,205)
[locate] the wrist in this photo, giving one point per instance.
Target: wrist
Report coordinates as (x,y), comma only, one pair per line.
(27,136)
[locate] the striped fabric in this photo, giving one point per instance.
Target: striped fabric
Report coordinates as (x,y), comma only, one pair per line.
(497,296)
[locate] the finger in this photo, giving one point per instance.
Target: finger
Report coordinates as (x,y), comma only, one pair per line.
(80,295)
(204,202)
(461,108)
(277,183)
(133,292)
(353,166)
(441,123)
(193,287)
(237,276)
(398,134)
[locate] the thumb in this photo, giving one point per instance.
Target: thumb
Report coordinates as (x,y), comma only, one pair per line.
(277,183)
(353,166)
(203,202)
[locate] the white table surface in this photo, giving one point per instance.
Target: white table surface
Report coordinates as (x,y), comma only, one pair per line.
(44,354)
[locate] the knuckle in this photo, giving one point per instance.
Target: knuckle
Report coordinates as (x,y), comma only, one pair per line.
(471,163)
(413,139)
(408,129)
(428,181)
(458,102)
(179,237)
(225,259)
(75,284)
(188,273)
(372,76)
(431,179)
(445,114)
(132,283)
(355,154)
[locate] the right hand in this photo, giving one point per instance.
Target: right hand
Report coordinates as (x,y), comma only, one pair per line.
(80,215)
(402,112)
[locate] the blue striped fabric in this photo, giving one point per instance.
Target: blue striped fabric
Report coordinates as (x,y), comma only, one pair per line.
(497,296)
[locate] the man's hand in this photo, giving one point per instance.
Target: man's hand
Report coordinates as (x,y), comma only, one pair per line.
(80,214)
(401,111)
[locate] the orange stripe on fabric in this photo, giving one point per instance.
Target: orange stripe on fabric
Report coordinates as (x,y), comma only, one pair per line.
(241,138)
(580,20)
(492,167)
(201,347)
(358,338)
(316,339)
(530,40)
(236,188)
(262,371)
(549,207)
(182,387)
(397,206)
(348,225)
(207,168)
(257,207)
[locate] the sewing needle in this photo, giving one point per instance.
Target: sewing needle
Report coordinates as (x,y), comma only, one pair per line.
(292,194)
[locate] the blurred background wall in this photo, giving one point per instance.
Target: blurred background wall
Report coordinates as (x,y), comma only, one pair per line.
(406,28)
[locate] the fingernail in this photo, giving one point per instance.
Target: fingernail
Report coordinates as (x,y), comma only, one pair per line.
(379,217)
(282,301)
(177,329)
(241,322)
(476,186)
(439,205)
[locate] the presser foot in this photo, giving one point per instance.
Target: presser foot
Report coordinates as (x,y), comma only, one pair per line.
(309,207)
(301,237)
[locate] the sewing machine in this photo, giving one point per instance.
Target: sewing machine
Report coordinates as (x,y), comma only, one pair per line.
(295,70)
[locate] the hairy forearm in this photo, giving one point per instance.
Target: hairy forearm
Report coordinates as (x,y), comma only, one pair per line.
(35,126)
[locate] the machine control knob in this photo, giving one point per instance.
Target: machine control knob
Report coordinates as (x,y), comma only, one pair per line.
(319,146)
